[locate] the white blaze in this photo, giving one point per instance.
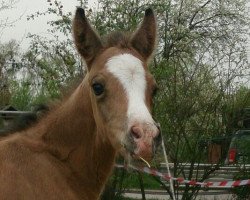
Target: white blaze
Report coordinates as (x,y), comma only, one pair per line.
(130,72)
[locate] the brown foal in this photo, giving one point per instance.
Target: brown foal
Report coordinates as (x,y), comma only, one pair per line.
(70,153)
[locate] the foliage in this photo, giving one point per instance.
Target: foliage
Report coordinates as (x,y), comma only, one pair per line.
(122,180)
(22,97)
(242,193)
(120,15)
(232,110)
(8,53)
(202,56)
(52,60)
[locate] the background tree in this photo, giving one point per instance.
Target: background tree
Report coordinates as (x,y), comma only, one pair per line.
(7,51)
(202,56)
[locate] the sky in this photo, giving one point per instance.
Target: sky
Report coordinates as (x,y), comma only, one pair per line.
(19,14)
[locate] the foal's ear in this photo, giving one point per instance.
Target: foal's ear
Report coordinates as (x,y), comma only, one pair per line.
(145,37)
(87,41)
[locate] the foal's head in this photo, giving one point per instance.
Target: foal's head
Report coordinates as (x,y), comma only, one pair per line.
(121,87)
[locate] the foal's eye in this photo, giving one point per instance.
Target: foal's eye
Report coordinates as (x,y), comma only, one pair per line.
(98,88)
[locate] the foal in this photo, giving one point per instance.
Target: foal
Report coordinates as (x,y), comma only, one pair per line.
(70,153)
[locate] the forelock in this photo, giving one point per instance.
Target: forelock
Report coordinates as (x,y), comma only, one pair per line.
(117,39)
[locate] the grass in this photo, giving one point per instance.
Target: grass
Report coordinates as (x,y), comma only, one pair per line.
(132,181)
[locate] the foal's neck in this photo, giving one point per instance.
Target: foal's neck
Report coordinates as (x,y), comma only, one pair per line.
(71,135)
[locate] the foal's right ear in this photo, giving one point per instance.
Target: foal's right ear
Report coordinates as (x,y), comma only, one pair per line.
(87,41)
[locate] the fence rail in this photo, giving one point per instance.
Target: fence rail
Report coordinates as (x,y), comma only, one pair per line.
(222,173)
(216,173)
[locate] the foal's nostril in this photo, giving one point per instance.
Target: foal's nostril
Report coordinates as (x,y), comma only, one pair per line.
(136,132)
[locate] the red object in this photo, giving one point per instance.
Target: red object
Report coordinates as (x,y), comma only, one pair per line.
(232,156)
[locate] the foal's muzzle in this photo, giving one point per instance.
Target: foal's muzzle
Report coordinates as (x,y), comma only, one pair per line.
(144,139)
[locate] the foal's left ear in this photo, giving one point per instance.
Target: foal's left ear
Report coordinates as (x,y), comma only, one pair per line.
(144,38)
(87,42)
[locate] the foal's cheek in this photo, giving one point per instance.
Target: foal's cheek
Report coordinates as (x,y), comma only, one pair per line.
(105,112)
(149,103)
